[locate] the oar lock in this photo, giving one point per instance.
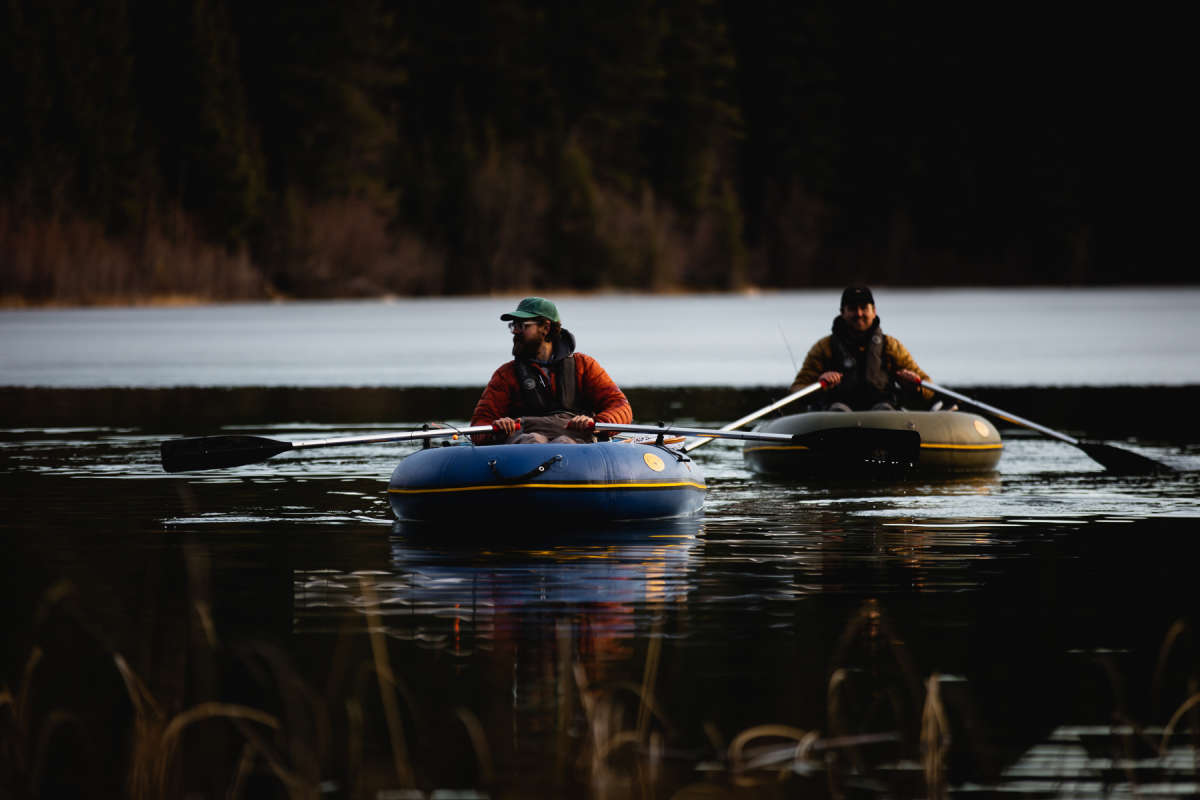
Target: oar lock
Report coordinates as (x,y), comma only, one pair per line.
(437,426)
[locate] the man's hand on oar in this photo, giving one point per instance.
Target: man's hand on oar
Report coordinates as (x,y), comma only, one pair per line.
(506,425)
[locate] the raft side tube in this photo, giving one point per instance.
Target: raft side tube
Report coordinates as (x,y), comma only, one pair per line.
(920,441)
(604,480)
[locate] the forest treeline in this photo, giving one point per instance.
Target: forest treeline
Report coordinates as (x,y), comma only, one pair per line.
(220,149)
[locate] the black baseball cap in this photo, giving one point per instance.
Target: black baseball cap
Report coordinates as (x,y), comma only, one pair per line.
(855,296)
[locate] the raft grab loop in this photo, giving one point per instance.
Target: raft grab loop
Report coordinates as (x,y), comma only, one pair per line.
(674,452)
(533,473)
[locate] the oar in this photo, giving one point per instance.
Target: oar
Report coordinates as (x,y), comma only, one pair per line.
(1115,459)
(672,430)
(839,447)
(216,452)
(762,412)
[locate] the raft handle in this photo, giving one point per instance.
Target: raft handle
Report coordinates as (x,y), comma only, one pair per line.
(533,473)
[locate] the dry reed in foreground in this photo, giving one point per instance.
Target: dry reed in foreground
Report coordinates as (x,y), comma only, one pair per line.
(368,733)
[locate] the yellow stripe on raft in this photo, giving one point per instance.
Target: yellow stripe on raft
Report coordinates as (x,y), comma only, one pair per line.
(928,445)
(933,446)
(491,487)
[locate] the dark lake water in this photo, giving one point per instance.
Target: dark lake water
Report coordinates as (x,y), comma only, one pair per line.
(536,660)
(271,631)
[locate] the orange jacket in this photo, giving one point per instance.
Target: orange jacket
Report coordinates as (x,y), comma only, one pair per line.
(596,393)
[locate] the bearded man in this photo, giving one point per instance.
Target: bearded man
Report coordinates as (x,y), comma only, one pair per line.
(858,364)
(556,393)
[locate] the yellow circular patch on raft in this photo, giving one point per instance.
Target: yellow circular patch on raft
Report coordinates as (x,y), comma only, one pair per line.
(981,428)
(653,462)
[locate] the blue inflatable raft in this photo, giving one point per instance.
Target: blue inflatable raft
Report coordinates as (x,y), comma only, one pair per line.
(604,481)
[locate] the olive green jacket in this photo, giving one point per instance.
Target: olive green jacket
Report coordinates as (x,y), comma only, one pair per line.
(820,360)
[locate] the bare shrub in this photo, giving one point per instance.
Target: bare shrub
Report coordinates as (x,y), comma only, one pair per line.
(175,260)
(347,250)
(56,260)
(650,246)
(420,267)
(646,246)
(796,222)
(506,229)
(73,260)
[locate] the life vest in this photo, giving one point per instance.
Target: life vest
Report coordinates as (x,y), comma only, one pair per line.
(866,379)
(537,400)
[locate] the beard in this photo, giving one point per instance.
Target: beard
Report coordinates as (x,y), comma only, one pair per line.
(526,349)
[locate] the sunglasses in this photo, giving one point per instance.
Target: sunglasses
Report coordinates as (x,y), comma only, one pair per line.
(517,327)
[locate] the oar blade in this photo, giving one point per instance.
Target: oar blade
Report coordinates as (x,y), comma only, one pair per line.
(1121,461)
(218,452)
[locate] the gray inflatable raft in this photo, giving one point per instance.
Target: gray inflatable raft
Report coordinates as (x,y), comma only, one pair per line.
(921,441)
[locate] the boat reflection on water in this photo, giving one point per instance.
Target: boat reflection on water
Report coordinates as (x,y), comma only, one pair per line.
(889,483)
(826,502)
(445,588)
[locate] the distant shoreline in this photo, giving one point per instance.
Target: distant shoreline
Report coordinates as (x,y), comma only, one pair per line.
(16,302)
(9,302)
(1098,410)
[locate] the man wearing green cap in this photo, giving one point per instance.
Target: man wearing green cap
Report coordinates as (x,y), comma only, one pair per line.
(556,393)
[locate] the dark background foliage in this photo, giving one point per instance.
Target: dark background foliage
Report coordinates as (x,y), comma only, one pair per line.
(217,149)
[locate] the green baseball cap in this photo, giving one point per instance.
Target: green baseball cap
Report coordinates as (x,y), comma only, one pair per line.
(532,307)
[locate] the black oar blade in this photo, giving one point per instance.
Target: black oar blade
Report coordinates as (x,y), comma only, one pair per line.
(865,448)
(217,452)
(1122,462)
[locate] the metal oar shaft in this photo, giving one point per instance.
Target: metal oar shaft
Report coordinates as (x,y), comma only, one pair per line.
(673,430)
(218,452)
(1004,415)
(394,437)
(1112,458)
(762,412)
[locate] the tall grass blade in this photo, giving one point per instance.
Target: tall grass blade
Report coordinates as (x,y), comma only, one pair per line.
(168,743)
(736,754)
(649,675)
(935,740)
(1168,731)
(1174,634)
(483,754)
(387,685)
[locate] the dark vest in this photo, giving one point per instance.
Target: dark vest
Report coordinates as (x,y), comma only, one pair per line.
(866,378)
(537,400)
